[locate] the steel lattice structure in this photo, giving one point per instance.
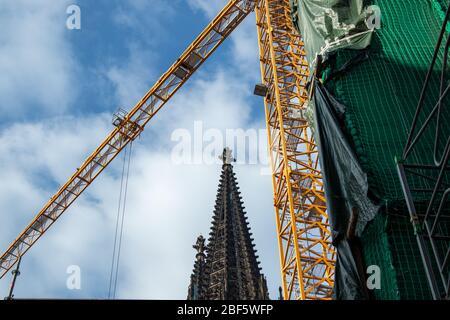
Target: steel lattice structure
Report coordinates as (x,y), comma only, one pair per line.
(304,238)
(306,254)
(431,218)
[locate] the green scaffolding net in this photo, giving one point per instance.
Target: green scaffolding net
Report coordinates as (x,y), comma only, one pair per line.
(381,93)
(389,242)
(380,86)
(444,4)
(377,252)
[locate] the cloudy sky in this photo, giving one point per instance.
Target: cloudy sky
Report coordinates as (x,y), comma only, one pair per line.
(58,91)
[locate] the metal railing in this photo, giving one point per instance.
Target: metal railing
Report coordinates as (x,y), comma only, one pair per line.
(426,183)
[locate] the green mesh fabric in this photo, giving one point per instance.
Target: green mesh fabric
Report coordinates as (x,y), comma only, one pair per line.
(381,93)
(444,4)
(376,251)
(441,7)
(443,244)
(389,242)
(411,277)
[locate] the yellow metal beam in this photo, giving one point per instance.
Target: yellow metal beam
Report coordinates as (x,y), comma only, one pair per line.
(304,238)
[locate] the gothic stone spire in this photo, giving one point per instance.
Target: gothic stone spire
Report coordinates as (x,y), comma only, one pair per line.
(197,285)
(231,270)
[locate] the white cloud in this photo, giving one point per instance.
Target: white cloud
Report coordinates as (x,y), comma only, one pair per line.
(32,155)
(208,7)
(36,63)
(51,145)
(145,20)
(130,78)
(245,49)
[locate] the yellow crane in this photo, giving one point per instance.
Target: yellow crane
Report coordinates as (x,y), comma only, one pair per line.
(304,238)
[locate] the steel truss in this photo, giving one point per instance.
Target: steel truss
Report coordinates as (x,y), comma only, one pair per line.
(431,217)
(304,238)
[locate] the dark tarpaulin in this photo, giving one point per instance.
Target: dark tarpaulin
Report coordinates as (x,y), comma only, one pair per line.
(349,283)
(346,188)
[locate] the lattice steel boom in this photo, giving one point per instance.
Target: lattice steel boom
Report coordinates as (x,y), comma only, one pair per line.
(304,238)
(129,127)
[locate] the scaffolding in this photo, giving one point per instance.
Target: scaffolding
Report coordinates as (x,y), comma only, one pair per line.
(429,206)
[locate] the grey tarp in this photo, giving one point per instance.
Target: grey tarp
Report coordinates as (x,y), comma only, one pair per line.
(346,190)
(324,24)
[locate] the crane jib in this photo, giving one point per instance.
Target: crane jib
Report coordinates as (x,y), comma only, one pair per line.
(130,126)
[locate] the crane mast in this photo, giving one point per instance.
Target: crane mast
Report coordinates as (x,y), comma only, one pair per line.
(304,238)
(306,254)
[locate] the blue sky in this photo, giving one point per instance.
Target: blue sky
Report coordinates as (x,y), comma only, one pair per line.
(58,91)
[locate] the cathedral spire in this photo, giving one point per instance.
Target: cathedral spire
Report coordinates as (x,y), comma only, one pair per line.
(231,269)
(227,156)
(196,286)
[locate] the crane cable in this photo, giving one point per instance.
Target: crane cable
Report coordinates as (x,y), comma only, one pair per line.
(114,274)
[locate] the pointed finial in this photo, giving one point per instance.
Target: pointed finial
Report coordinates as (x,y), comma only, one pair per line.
(280,291)
(200,244)
(227,156)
